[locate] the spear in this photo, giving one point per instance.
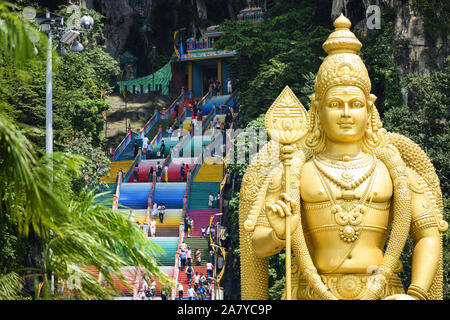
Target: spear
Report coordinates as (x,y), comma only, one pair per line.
(287,123)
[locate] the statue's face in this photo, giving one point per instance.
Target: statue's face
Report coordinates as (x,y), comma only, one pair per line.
(343,114)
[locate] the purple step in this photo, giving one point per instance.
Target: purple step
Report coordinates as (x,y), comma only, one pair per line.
(201,218)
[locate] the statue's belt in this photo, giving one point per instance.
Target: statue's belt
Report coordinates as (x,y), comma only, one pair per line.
(343,286)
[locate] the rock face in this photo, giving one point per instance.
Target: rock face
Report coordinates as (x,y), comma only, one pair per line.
(417,54)
(119,19)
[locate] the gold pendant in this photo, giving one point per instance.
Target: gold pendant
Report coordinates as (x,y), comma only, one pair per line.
(349,220)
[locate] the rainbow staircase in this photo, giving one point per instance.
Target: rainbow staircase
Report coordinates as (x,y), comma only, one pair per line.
(210,171)
(199,194)
(115,166)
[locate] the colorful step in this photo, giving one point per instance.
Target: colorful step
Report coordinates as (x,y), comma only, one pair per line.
(201,244)
(199,194)
(171,194)
(201,219)
(170,246)
(115,166)
(210,171)
(135,195)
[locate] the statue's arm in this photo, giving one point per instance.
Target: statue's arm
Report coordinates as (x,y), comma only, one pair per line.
(264,239)
(425,234)
(270,231)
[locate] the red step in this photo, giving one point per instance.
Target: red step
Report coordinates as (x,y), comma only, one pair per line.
(182,277)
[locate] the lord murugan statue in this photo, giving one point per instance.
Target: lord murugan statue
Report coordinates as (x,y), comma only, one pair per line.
(341,192)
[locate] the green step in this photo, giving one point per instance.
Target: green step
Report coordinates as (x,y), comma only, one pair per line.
(201,244)
(199,194)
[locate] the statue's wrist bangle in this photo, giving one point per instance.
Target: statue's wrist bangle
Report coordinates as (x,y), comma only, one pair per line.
(417,292)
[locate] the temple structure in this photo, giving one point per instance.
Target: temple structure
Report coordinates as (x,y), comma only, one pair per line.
(201,64)
(195,67)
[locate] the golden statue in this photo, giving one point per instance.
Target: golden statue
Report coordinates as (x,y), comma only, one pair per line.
(332,184)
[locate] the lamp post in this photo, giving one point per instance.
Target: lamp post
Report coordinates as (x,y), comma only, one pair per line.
(53,26)
(153,66)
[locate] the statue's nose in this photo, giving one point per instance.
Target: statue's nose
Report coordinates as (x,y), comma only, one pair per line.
(346,113)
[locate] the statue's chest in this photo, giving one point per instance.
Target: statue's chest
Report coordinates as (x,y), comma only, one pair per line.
(346,200)
(370,183)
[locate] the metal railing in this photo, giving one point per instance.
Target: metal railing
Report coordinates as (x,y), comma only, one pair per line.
(149,125)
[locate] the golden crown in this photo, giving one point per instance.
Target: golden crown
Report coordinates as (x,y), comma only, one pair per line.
(342,65)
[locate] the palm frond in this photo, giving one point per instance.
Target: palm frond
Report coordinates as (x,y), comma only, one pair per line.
(10,286)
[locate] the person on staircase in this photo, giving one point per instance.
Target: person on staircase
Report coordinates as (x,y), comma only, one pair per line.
(161,212)
(191,293)
(180,291)
(210,200)
(191,226)
(166,173)
(201,292)
(218,199)
(162,149)
(209,269)
(150,174)
(145,141)
(154,210)
(198,257)
(196,280)
(183,259)
(182,175)
(153,228)
(203,231)
(188,256)
(158,172)
(189,273)
(186,224)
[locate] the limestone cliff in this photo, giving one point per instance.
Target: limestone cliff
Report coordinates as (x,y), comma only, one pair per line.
(420,50)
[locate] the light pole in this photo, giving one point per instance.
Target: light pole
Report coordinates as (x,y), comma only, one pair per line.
(53,26)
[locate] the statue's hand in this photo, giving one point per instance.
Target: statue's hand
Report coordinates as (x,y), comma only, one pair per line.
(399,297)
(277,211)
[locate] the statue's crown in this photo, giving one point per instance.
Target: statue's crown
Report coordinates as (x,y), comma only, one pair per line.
(342,66)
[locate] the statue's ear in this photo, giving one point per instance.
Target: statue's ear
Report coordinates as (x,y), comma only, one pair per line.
(372,99)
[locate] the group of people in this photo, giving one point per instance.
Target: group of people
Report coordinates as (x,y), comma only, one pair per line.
(184,169)
(199,286)
(147,148)
(188,225)
(214,200)
(160,171)
(149,292)
(207,230)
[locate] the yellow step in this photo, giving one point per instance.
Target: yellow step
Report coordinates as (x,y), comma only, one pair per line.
(210,172)
(114,166)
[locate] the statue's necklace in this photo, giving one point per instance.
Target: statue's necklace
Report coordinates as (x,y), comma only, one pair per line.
(351,218)
(347,181)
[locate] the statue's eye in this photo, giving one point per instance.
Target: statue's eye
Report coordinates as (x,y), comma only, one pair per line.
(334,104)
(357,104)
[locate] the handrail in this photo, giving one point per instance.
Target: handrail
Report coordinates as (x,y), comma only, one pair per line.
(122,145)
(181,232)
(205,99)
(117,194)
(177,257)
(136,161)
(208,118)
(198,165)
(150,202)
(137,281)
(128,138)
